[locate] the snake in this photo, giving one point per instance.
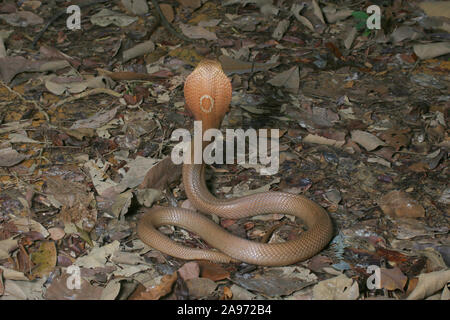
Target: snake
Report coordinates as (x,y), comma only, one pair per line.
(207,92)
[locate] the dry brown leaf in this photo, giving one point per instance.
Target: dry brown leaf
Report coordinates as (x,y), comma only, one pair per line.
(197,32)
(318,11)
(400,204)
(194,4)
(161,175)
(6,246)
(337,288)
(44,259)
(392,279)
(59,290)
(200,287)
(396,138)
(10,157)
(227,294)
(167,10)
(436,8)
(189,270)
(290,79)
(429,283)
(231,66)
(164,288)
(367,140)
(212,271)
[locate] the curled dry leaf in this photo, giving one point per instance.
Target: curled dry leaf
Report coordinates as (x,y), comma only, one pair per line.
(367,140)
(430,283)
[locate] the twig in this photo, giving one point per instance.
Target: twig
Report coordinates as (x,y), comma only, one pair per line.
(85,94)
(59,15)
(166,24)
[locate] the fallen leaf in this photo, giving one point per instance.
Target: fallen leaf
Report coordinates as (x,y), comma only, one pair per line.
(429,283)
(111,290)
(6,246)
(189,270)
(10,157)
(392,279)
(106,17)
(97,120)
(162,289)
(231,66)
(367,140)
(98,255)
(436,8)
(272,286)
(290,79)
(337,288)
(431,50)
(22,19)
(400,204)
(44,259)
(240,293)
(194,4)
(212,271)
(197,32)
(136,7)
(280,29)
(60,290)
(161,175)
(167,10)
(200,287)
(317,11)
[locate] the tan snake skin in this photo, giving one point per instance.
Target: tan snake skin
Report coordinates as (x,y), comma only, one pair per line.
(207,92)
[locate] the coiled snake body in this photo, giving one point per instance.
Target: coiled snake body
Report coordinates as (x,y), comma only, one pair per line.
(208,93)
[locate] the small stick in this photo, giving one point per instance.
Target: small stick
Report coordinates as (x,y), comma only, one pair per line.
(85,94)
(167,24)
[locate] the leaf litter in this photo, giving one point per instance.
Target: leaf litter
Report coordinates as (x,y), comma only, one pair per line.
(85,140)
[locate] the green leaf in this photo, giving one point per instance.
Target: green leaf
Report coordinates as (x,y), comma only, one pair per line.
(360,15)
(367,32)
(361,25)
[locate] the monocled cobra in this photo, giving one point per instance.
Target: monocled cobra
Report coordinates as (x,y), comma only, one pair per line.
(207,93)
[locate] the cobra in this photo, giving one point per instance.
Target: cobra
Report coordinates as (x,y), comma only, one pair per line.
(209,80)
